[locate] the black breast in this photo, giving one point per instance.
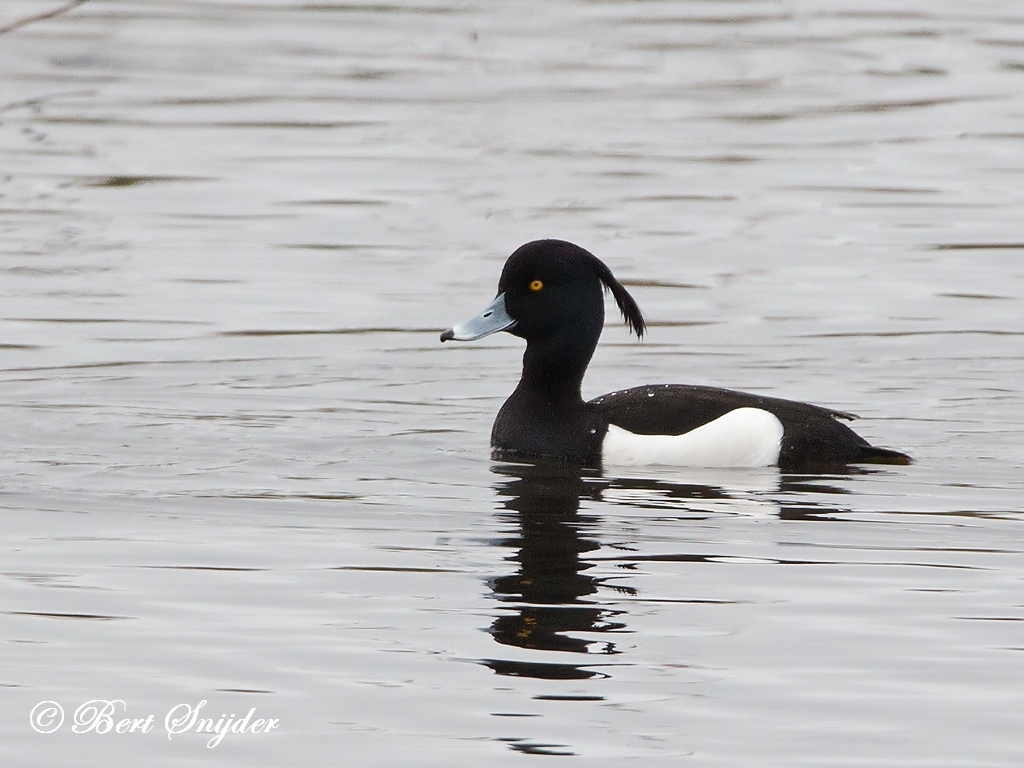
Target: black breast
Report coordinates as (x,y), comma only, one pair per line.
(530,425)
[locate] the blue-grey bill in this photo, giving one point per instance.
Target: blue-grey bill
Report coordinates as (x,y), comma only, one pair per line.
(493,319)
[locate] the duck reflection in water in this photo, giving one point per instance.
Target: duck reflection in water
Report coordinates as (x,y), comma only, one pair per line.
(554,596)
(552,583)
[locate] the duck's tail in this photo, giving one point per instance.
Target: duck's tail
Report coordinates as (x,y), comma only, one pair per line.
(873,455)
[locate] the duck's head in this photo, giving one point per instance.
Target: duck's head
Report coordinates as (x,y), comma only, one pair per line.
(550,289)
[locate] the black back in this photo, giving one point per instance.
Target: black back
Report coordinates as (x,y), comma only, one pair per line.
(813,439)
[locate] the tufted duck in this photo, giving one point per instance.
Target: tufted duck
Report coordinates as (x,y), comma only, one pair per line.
(551,294)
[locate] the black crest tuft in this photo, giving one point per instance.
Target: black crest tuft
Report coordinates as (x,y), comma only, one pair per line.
(627,305)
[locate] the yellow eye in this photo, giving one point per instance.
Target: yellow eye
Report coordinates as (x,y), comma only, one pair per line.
(536,285)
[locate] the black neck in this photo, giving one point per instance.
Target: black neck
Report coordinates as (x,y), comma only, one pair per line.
(546,415)
(553,368)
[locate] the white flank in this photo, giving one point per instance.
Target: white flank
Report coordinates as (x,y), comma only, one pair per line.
(745,437)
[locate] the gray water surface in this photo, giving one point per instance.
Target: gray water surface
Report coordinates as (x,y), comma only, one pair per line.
(236,465)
